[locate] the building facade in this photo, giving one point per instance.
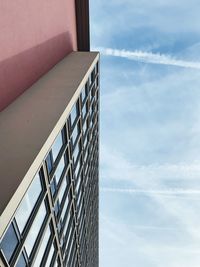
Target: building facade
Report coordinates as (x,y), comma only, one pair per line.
(55,221)
(49,139)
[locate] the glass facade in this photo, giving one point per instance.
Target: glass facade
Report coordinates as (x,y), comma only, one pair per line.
(56,223)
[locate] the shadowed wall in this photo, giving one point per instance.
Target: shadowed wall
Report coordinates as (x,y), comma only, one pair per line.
(35,35)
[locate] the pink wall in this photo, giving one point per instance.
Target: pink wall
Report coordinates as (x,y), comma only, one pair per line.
(34,36)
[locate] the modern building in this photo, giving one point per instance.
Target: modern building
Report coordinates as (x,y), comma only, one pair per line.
(49,155)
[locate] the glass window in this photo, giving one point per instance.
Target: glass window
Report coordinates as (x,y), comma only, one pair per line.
(67,156)
(64,208)
(76,152)
(35,228)
(91,96)
(62,189)
(59,169)
(96,68)
(77,169)
(57,146)
(42,247)
(28,202)
(78,184)
(58,261)
(80,209)
(84,127)
(79,198)
(75,134)
(50,255)
(53,186)
(57,207)
(86,168)
(49,162)
(83,94)
(73,114)
(86,155)
(21,262)
(84,110)
(59,228)
(55,264)
(90,111)
(70,245)
(85,142)
(66,224)
(97,81)
(68,237)
(9,242)
(90,79)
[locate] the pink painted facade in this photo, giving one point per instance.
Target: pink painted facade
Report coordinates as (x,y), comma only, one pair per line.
(34,36)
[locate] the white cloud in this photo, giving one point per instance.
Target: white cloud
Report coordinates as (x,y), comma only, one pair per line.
(169,191)
(148,57)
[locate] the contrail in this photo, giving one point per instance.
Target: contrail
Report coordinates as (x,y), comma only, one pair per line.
(148,57)
(153,192)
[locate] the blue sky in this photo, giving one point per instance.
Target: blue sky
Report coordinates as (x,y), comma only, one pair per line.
(150,131)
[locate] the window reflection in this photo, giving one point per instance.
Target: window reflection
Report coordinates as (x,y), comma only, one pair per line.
(84,127)
(83,94)
(35,228)
(84,110)
(73,114)
(49,162)
(28,203)
(21,262)
(50,255)
(62,189)
(42,247)
(9,242)
(75,134)
(77,168)
(59,169)
(57,146)
(66,223)
(53,186)
(75,153)
(64,208)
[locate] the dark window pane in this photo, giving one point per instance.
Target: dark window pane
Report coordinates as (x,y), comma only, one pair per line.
(62,189)
(9,242)
(53,187)
(50,255)
(64,208)
(66,157)
(21,262)
(49,163)
(59,169)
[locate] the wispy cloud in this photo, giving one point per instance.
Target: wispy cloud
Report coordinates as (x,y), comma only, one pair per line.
(148,57)
(170,191)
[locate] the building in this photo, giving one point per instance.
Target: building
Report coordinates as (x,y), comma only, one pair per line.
(49,158)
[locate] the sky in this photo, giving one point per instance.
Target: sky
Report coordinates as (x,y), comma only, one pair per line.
(149,131)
